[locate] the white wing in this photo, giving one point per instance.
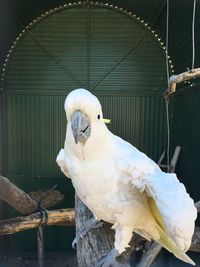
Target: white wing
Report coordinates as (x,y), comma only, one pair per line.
(61,161)
(174,203)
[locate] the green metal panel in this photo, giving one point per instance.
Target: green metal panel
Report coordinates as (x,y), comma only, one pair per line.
(186,133)
(35,131)
(138,119)
(101,49)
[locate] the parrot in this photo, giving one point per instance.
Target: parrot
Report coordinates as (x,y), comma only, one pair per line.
(121,185)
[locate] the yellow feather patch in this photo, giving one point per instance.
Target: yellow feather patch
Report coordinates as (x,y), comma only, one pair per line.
(156,213)
(106,120)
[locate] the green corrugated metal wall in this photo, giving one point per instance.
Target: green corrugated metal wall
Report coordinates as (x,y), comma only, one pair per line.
(93,47)
(186,133)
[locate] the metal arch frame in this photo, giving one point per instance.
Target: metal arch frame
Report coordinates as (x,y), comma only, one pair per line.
(72,5)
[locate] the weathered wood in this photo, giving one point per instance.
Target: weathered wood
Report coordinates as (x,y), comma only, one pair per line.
(197,205)
(40,246)
(64,217)
(27,203)
(185,76)
(195,246)
(150,255)
(174,159)
(16,197)
(97,243)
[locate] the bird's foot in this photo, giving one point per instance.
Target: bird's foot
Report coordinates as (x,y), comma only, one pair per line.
(110,260)
(90,224)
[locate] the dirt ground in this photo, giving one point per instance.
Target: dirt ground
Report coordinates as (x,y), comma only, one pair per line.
(164,259)
(55,260)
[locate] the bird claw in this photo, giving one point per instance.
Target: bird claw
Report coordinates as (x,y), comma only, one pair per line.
(109,260)
(91,224)
(75,241)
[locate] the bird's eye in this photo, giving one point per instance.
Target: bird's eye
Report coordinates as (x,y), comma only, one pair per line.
(98,117)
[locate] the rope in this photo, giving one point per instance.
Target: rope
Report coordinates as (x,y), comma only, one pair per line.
(193,38)
(167,42)
(166,98)
(168,133)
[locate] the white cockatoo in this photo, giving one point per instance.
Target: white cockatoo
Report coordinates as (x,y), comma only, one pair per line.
(121,185)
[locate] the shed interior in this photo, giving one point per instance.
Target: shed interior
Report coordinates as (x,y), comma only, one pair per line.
(116,50)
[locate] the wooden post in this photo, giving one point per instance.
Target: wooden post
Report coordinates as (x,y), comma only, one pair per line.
(40,246)
(97,243)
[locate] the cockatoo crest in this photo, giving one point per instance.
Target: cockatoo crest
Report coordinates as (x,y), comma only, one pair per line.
(83,100)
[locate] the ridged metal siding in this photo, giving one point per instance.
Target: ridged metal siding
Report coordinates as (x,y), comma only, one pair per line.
(138,119)
(186,133)
(19,14)
(34,134)
(100,49)
(54,57)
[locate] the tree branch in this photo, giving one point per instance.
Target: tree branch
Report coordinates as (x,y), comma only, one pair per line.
(15,197)
(62,217)
(150,255)
(185,76)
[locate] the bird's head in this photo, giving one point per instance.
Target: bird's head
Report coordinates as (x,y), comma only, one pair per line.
(84,115)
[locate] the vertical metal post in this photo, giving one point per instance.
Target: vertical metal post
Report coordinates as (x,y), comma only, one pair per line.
(40,244)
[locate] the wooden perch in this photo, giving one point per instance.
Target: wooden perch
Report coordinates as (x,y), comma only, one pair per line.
(171,168)
(66,217)
(195,245)
(150,255)
(98,242)
(185,76)
(197,205)
(16,198)
(62,217)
